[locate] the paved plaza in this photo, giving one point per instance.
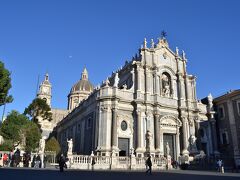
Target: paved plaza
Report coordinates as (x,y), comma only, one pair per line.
(51,174)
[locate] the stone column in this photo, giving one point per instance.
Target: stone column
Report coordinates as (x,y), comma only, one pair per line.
(138,78)
(185,138)
(100,128)
(157,133)
(96,128)
(161,142)
(148,83)
(114,128)
(139,132)
(140,81)
(157,84)
(177,143)
(108,125)
(182,91)
(195,91)
(214,136)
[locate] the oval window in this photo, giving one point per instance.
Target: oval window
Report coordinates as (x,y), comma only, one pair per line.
(124,125)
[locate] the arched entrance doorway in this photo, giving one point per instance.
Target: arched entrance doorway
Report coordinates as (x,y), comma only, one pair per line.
(169,134)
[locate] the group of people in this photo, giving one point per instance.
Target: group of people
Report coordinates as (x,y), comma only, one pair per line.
(12,159)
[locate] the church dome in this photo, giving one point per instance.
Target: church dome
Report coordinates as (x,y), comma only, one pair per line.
(84,84)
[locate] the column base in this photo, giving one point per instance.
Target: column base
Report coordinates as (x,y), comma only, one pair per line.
(140,152)
(104,151)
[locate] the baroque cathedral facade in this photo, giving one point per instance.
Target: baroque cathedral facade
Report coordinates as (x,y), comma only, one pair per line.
(144,106)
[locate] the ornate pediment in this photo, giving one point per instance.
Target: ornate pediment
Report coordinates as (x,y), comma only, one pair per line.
(170,121)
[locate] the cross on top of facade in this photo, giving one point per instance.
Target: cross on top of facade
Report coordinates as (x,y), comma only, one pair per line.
(163,34)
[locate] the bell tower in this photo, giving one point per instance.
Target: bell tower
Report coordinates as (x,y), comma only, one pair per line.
(45,89)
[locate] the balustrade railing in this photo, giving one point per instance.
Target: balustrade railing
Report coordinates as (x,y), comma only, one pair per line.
(107,162)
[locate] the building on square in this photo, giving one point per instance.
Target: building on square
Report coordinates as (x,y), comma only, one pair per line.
(227,107)
(143,107)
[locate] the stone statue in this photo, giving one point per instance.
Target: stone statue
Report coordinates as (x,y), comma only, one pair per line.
(192,142)
(42,145)
(165,85)
(145,43)
(167,150)
(152,43)
(70,146)
(116,80)
(183,55)
(148,140)
(107,82)
(177,51)
(167,91)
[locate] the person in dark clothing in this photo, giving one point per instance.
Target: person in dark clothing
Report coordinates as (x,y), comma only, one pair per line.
(38,162)
(17,157)
(149,164)
(27,159)
(61,162)
(33,161)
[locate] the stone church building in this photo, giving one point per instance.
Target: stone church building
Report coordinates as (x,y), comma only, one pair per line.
(143,107)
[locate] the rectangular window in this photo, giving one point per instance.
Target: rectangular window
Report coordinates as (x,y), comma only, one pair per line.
(220,112)
(225,138)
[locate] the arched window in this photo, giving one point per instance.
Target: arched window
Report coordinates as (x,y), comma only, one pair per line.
(75,102)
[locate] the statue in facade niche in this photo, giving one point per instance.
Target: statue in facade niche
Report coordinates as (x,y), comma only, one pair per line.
(70,146)
(148,140)
(165,85)
(167,150)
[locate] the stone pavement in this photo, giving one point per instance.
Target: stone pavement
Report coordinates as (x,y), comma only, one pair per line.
(45,174)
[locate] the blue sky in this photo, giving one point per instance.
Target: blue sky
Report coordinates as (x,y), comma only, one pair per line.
(61,36)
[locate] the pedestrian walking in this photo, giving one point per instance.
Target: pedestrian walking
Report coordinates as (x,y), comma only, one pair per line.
(149,165)
(5,159)
(62,163)
(220,166)
(17,157)
(37,162)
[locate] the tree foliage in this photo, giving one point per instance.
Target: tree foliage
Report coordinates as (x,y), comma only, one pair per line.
(18,129)
(32,136)
(52,145)
(5,85)
(38,109)
(11,128)
(6,146)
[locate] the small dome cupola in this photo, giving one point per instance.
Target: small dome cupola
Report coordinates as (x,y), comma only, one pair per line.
(80,90)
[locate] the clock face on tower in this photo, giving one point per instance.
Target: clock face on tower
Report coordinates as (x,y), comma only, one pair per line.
(45,90)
